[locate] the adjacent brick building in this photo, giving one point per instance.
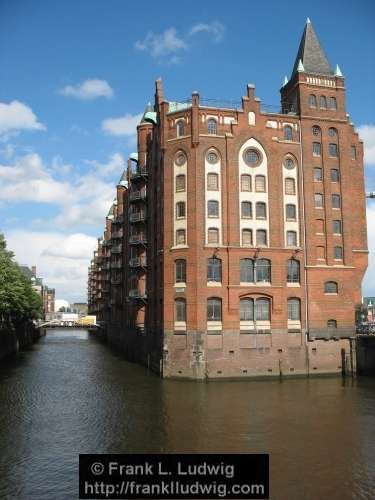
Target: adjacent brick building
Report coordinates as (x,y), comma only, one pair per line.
(237,244)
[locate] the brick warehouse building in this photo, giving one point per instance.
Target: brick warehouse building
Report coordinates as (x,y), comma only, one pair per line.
(236,244)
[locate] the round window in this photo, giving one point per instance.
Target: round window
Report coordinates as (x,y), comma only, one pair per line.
(252,157)
(180,159)
(212,157)
(289,163)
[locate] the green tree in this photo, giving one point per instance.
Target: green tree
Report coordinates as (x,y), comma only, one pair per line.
(19,303)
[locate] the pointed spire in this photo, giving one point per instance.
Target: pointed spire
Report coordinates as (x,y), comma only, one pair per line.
(310,54)
(338,71)
(285,80)
(300,67)
(149,108)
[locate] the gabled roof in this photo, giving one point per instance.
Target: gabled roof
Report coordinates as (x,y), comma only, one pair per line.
(311,55)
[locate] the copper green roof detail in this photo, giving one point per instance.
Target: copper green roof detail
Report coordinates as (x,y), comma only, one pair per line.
(300,67)
(124,179)
(311,54)
(338,71)
(150,117)
(134,156)
(110,214)
(149,109)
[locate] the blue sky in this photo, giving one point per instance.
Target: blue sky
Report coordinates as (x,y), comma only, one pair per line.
(75,75)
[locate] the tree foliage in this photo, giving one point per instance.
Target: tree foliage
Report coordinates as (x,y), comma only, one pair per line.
(19,303)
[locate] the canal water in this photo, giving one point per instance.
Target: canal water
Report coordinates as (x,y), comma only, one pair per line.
(70,394)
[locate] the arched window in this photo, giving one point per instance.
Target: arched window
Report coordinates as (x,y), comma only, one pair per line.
(246,271)
(212,182)
(246,310)
(330,287)
(260,184)
(291,238)
(180,210)
(332,132)
(262,309)
(336,201)
(247,238)
(261,210)
(294,309)
(180,183)
(263,270)
(312,101)
(213,309)
(213,235)
(213,208)
(335,175)
(261,237)
(180,271)
(214,269)
(288,133)
(180,237)
(180,310)
(291,213)
(293,275)
(180,128)
(245,182)
(323,102)
(316,130)
(290,186)
(333,103)
(246,211)
(332,323)
(212,126)
(318,199)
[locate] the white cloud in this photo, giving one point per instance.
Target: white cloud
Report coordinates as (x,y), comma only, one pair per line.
(115,165)
(83,199)
(88,90)
(215,29)
(61,260)
(162,44)
(369,281)
(17,116)
(123,126)
(367,134)
(168,45)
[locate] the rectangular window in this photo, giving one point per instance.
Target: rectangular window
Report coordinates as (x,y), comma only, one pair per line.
(262,309)
(213,235)
(318,200)
(336,201)
(318,174)
(260,183)
(261,210)
(213,310)
(338,253)
(291,238)
(247,237)
(333,150)
(261,237)
(353,152)
(180,237)
(245,182)
(335,175)
(246,212)
(180,210)
(212,182)
(290,212)
(290,186)
(180,183)
(180,310)
(316,148)
(337,227)
(213,208)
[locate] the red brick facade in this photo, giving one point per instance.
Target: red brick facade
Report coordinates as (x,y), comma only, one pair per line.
(166,320)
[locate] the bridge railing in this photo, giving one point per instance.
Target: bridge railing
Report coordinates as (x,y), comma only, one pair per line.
(366,329)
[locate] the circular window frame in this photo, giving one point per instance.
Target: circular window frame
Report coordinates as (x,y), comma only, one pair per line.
(289,159)
(257,152)
(212,162)
(180,159)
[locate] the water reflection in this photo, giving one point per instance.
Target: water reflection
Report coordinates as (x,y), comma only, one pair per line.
(72,395)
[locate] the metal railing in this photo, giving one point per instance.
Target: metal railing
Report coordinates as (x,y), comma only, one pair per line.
(117,249)
(138,261)
(137,195)
(140,171)
(137,216)
(366,329)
